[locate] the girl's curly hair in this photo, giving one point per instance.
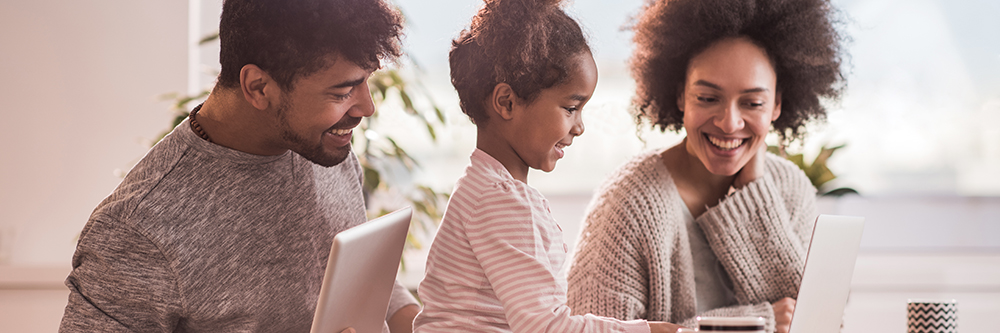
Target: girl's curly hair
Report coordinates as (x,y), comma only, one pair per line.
(527,44)
(798,35)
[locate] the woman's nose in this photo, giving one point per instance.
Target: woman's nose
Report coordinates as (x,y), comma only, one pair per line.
(731,119)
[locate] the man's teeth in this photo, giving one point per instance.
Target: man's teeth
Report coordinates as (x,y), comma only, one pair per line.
(345,131)
(725,144)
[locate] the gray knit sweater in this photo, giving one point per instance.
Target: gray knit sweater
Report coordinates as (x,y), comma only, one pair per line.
(633,258)
(202,238)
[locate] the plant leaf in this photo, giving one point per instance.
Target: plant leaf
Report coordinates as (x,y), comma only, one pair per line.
(372,178)
(798,160)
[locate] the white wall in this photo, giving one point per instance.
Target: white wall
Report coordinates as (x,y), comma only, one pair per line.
(79,100)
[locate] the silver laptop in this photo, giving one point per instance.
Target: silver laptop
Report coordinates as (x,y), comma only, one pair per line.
(826,281)
(360,275)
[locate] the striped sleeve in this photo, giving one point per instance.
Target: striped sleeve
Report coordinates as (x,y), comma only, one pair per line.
(508,238)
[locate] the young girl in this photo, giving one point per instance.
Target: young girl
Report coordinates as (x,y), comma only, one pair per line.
(523,72)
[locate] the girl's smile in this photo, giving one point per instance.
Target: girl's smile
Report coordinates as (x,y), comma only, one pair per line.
(545,126)
(524,134)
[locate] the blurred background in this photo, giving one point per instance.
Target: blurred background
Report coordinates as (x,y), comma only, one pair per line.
(83,98)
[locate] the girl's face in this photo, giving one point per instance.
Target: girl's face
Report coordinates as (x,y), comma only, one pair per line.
(550,122)
(729,101)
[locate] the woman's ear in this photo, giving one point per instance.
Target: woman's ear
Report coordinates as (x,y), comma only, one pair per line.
(680,98)
(259,89)
(777,106)
(501,102)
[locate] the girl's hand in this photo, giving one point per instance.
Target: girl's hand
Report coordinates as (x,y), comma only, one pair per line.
(783,310)
(752,170)
(663,327)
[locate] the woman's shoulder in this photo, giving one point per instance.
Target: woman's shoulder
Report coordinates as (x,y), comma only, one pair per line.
(642,182)
(643,169)
(786,174)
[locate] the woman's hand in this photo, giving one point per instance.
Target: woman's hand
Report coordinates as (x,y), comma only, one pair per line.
(752,170)
(783,310)
(662,327)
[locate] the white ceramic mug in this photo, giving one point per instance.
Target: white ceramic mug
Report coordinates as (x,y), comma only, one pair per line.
(731,324)
(931,316)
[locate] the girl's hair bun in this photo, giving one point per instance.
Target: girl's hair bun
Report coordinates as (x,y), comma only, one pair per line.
(514,33)
(524,43)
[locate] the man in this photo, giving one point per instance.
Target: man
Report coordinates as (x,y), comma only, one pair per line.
(226,224)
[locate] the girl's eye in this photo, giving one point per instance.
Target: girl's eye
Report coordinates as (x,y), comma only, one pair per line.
(571,109)
(755,104)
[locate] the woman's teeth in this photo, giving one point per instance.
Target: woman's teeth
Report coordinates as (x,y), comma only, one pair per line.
(725,144)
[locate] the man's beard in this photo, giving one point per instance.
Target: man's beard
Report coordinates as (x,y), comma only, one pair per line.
(314,153)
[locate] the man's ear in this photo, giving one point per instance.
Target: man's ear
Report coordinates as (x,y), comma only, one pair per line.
(259,89)
(777,106)
(501,102)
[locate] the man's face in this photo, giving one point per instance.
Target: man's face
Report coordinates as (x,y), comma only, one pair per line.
(317,117)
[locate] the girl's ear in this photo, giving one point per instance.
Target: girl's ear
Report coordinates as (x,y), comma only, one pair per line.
(501,101)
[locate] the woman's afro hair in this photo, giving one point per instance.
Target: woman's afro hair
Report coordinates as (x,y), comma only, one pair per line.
(798,36)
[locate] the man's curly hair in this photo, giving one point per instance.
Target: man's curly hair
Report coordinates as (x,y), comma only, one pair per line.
(527,44)
(798,36)
(289,39)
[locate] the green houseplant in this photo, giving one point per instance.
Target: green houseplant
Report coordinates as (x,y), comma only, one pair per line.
(817,170)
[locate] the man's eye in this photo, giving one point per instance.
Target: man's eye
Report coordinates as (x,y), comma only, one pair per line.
(341,97)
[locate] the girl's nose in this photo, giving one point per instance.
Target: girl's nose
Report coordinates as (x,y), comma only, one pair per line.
(578,127)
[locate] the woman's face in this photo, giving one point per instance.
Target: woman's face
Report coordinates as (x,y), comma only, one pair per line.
(729,101)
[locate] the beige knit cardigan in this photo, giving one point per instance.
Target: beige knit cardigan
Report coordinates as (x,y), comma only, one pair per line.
(633,258)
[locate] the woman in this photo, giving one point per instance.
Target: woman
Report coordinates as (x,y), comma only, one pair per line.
(713,226)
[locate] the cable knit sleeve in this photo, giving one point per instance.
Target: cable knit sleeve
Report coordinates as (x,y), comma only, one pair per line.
(760,233)
(616,271)
(608,276)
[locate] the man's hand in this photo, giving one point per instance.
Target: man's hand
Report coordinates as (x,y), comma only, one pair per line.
(783,314)
(402,320)
(752,170)
(662,327)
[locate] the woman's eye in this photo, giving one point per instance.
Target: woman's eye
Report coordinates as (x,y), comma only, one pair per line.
(571,109)
(707,99)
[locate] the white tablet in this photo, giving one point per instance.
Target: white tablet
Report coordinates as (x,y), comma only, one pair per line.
(360,275)
(826,280)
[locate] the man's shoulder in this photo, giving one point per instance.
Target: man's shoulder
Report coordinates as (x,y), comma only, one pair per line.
(143,178)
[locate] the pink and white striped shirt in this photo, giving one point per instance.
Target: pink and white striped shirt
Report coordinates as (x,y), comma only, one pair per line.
(494,262)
